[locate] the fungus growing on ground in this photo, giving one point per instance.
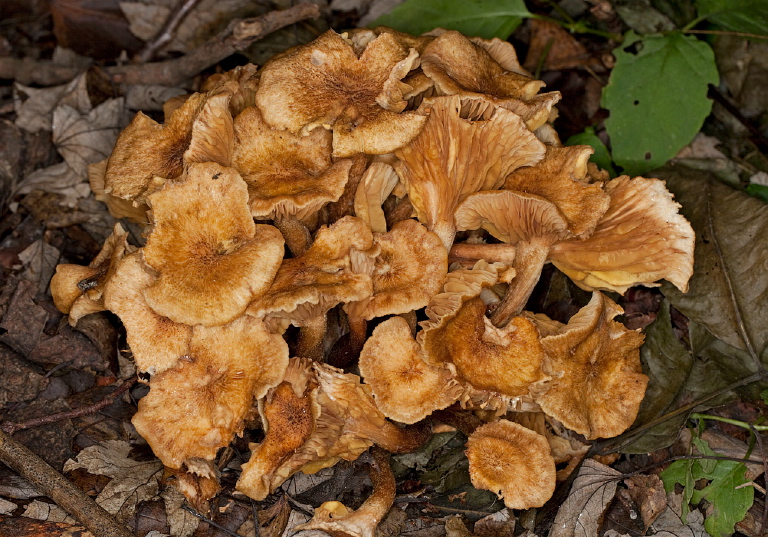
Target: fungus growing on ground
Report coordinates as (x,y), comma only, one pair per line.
(369,154)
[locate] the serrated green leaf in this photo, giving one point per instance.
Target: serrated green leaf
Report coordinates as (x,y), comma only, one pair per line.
(730,504)
(758,191)
(601,156)
(749,16)
(728,292)
(657,98)
(483,18)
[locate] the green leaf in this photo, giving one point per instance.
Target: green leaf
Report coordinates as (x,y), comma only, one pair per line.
(657,98)
(749,16)
(728,293)
(730,504)
(758,191)
(601,156)
(483,18)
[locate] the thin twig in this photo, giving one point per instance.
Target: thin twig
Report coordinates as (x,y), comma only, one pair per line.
(58,488)
(167,32)
(726,32)
(12,427)
(236,37)
(209,521)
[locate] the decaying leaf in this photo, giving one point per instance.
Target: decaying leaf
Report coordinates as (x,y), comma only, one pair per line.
(132,481)
(34,107)
(50,512)
(592,490)
(59,179)
(6,507)
(728,292)
(181,522)
(647,491)
(39,260)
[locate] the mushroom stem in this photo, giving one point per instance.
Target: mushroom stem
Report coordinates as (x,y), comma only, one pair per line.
(529,260)
(311,339)
(347,349)
(402,211)
(461,420)
(383,480)
(446,231)
(492,253)
(393,438)
(296,234)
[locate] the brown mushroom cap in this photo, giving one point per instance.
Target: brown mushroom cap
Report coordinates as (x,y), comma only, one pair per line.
(376,185)
(325,84)
(597,381)
(118,207)
(639,240)
(407,272)
(287,174)
(196,407)
(505,360)
(405,387)
(513,462)
(199,131)
(212,259)
(156,342)
(560,178)
(454,157)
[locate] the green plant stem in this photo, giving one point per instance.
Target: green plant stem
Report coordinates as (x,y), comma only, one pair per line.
(693,23)
(738,423)
(726,32)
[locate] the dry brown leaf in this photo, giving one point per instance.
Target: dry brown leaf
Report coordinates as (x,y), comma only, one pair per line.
(145,97)
(181,522)
(132,481)
(582,512)
(39,260)
(59,179)
(647,491)
(34,107)
(47,511)
(499,524)
(84,139)
(6,507)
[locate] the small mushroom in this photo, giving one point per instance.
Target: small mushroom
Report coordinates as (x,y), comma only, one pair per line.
(211,258)
(405,387)
(360,98)
(513,462)
(467,145)
(337,520)
(597,381)
(197,406)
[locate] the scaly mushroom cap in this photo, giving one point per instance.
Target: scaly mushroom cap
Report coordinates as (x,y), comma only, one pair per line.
(405,387)
(156,342)
(197,406)
(560,177)
(597,381)
(325,84)
(408,271)
(640,239)
(307,286)
(506,360)
(78,290)
(212,259)
(454,157)
(335,519)
(286,174)
(513,462)
(199,131)
(458,66)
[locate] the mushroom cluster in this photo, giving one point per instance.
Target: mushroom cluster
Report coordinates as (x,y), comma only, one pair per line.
(381,204)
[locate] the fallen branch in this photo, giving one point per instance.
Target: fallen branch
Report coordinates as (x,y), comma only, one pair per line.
(11,427)
(58,488)
(236,37)
(166,33)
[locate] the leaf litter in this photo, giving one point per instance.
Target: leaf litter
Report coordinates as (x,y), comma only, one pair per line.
(724,333)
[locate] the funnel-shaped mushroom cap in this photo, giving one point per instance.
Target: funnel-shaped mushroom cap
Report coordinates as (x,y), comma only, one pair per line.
(244,94)
(322,277)
(512,217)
(503,53)
(560,178)
(212,259)
(458,65)
(286,174)
(513,462)
(408,271)
(337,520)
(597,383)
(78,290)
(640,239)
(156,342)
(325,84)
(506,360)
(199,131)
(196,407)
(289,420)
(405,387)
(118,207)
(454,157)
